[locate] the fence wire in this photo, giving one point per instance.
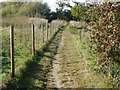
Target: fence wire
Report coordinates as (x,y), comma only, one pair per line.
(23,41)
(5,37)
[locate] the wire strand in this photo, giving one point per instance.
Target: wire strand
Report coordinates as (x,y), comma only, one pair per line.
(5,29)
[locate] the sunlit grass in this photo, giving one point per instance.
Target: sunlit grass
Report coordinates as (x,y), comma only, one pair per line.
(81,62)
(22,48)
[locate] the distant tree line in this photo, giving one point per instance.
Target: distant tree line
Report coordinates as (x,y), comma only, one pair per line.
(31,9)
(76,12)
(42,10)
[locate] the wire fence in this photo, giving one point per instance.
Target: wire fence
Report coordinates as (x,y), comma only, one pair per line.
(21,40)
(5,49)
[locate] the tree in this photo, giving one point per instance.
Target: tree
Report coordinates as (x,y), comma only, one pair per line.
(63,13)
(78,12)
(10,8)
(31,9)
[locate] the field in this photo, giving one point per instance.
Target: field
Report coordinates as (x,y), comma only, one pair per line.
(22,45)
(76,48)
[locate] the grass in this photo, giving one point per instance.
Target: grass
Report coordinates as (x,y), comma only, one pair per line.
(91,57)
(75,65)
(22,43)
(88,59)
(73,30)
(34,71)
(15,21)
(22,46)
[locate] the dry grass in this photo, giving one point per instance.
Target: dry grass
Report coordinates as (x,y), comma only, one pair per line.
(15,21)
(75,72)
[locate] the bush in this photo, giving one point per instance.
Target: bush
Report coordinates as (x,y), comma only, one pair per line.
(105,37)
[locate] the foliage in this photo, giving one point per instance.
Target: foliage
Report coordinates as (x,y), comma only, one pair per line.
(78,12)
(63,13)
(21,54)
(105,37)
(9,8)
(52,16)
(73,30)
(31,9)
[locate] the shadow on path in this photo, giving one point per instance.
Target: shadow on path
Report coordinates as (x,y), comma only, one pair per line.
(35,74)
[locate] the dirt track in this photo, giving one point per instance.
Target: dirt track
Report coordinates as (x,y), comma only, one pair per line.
(61,64)
(70,68)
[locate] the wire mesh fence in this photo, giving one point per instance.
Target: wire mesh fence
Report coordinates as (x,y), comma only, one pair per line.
(5,49)
(25,39)
(22,39)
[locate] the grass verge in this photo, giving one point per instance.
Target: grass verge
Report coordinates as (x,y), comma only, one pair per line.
(76,62)
(35,72)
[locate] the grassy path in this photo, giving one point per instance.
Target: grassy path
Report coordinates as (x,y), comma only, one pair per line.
(60,64)
(70,68)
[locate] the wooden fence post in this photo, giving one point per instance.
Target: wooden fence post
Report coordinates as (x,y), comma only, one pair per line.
(12,51)
(43,32)
(79,32)
(53,28)
(39,35)
(56,27)
(33,40)
(47,29)
(50,28)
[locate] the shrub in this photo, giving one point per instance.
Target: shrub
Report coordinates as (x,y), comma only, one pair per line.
(105,37)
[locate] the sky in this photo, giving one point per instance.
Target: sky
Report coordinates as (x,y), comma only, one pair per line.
(51,3)
(53,6)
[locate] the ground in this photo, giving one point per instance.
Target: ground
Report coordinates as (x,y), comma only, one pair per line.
(60,64)
(70,68)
